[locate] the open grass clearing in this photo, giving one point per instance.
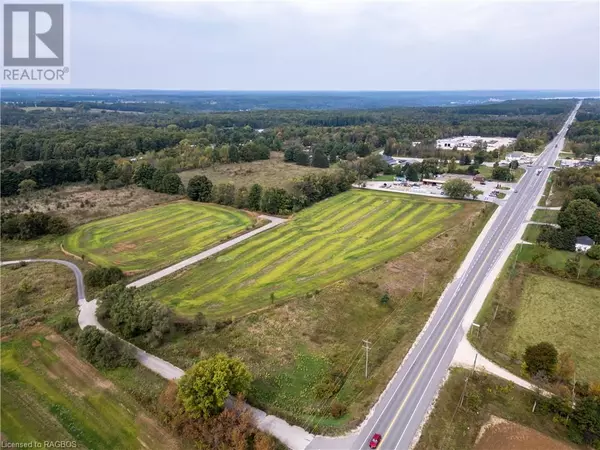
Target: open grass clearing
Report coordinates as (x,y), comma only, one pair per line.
(49,394)
(486,171)
(273,172)
(532,231)
(556,259)
(325,243)
(487,397)
(564,313)
(545,215)
(36,293)
(157,236)
(527,306)
(295,347)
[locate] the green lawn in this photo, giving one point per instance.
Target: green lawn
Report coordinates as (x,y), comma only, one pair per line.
(48,394)
(330,241)
(545,215)
(157,236)
(527,306)
(564,313)
(555,258)
(532,231)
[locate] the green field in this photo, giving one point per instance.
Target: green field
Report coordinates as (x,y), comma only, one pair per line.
(48,394)
(564,313)
(156,236)
(545,215)
(323,244)
(532,231)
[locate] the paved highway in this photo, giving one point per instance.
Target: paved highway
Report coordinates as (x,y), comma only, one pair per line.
(403,406)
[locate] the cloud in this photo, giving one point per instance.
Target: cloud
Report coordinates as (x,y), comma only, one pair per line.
(336,45)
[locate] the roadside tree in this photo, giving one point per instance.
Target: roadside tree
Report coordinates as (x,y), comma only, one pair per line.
(541,359)
(457,188)
(207,384)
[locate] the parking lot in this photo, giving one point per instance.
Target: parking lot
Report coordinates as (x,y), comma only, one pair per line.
(490,188)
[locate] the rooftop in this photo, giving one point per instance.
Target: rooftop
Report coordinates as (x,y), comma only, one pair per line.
(585,240)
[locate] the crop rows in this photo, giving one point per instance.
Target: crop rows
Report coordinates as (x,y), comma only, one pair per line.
(156,236)
(330,241)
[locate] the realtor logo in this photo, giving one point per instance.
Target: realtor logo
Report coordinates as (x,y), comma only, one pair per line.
(33,35)
(34,43)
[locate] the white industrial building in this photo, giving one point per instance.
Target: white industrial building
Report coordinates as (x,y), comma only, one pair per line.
(468,142)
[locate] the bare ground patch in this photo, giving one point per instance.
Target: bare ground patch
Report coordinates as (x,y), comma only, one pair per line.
(500,434)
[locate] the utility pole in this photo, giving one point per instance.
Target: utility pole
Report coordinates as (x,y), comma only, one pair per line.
(423,289)
(366,346)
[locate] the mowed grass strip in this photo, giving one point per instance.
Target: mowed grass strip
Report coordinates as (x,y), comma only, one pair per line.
(156,236)
(564,313)
(330,241)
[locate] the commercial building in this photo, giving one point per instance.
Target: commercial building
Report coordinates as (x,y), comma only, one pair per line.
(468,142)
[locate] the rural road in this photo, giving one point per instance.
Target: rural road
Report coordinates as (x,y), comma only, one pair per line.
(402,407)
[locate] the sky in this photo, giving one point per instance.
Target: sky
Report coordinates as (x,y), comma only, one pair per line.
(335,45)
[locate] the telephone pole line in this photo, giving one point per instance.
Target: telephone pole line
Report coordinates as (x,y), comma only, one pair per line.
(366,346)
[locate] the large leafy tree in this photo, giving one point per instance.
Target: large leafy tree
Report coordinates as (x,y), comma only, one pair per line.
(320,159)
(254,197)
(458,188)
(143,174)
(583,215)
(587,191)
(205,387)
(200,189)
(171,184)
(541,358)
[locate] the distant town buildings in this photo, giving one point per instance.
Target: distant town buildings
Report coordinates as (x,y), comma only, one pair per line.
(468,142)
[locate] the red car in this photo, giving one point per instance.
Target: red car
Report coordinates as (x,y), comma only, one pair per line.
(375,440)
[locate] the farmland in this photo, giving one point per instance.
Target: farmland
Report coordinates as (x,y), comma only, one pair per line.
(156,236)
(337,238)
(48,394)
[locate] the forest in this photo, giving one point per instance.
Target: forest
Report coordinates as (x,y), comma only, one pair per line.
(52,147)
